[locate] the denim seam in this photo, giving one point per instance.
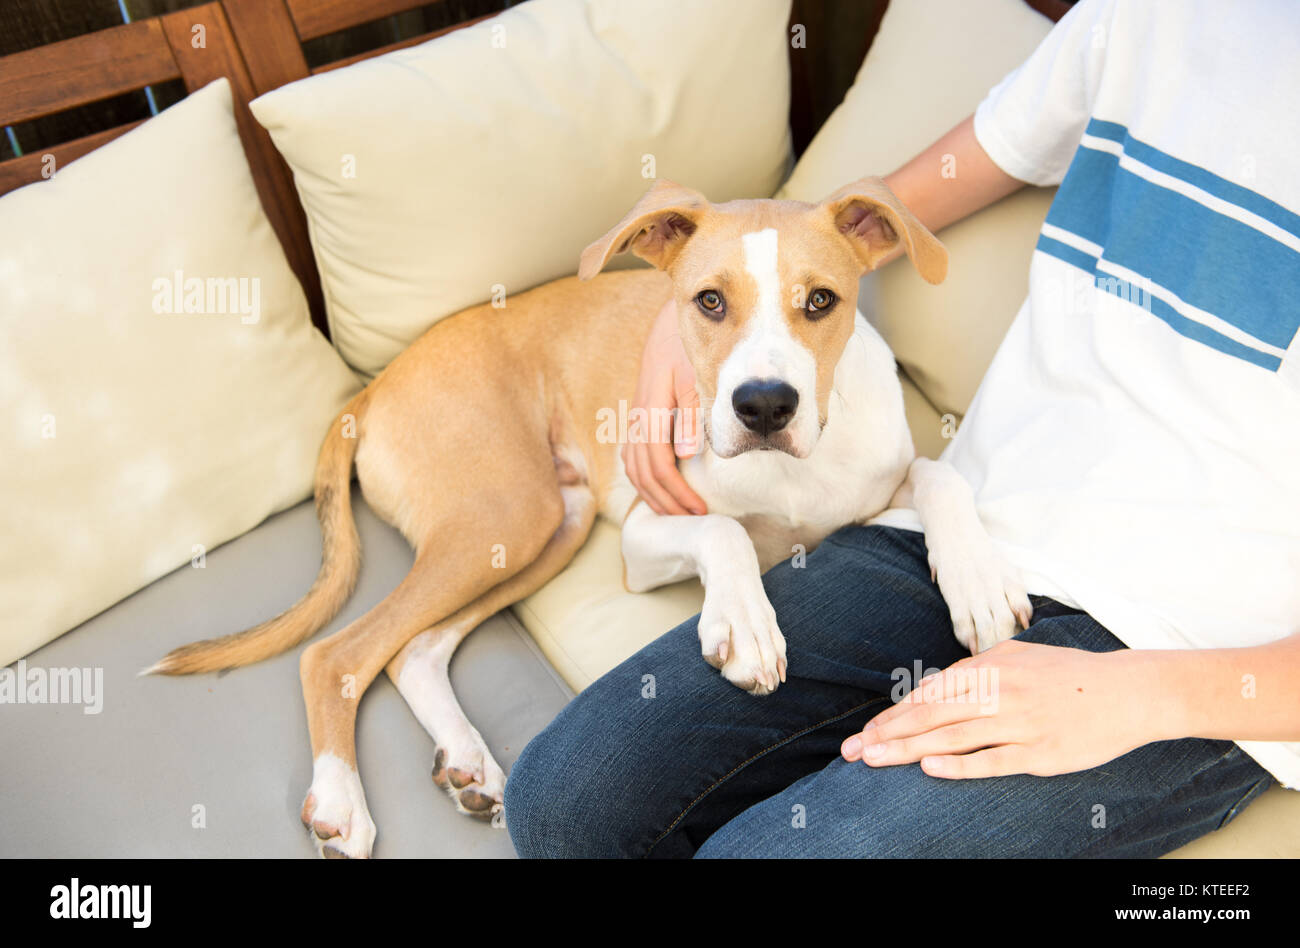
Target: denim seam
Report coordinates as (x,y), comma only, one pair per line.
(745,763)
(1264,783)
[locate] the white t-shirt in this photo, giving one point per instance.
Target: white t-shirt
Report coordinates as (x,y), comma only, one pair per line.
(1135,445)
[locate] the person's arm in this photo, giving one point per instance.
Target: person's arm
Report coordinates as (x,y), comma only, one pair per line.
(1233,694)
(667,381)
(951,179)
(1027,708)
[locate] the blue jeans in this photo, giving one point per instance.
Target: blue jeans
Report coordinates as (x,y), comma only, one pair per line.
(662,757)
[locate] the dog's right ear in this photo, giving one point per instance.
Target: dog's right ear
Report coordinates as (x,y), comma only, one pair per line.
(655,229)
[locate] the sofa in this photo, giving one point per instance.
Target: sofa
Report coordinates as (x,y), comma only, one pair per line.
(216,766)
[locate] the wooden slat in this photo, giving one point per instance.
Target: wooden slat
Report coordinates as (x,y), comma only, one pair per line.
(401,44)
(16,172)
(221,57)
(88,68)
(266,36)
(321,17)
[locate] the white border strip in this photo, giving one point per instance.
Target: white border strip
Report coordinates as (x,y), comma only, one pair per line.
(1183,308)
(1072,240)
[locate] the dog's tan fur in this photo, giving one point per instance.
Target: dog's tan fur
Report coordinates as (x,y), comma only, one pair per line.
(483,433)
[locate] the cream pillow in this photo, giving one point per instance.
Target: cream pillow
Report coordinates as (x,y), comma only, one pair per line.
(929,66)
(483,162)
(137,439)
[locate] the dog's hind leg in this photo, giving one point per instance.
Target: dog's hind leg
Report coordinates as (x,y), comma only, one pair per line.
(454,565)
(463,766)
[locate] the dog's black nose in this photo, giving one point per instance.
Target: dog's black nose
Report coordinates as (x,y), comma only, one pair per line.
(764,405)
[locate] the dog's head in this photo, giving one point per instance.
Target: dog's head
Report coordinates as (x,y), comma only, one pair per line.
(766,293)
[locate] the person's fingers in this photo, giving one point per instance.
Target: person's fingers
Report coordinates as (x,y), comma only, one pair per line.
(631,465)
(1001,761)
(656,460)
(961,737)
(904,721)
(653,389)
(917,719)
(951,685)
(651,472)
(642,477)
(686,430)
(955,694)
(625,453)
(686,427)
(663,467)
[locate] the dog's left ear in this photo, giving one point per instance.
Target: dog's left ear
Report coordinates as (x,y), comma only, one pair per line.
(654,229)
(874,221)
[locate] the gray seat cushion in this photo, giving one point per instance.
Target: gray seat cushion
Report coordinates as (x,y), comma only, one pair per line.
(125,782)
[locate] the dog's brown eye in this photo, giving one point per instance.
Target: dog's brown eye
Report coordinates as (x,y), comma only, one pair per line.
(819,301)
(711,302)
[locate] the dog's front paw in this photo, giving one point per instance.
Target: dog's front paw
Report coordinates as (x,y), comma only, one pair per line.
(984,593)
(335,811)
(739,635)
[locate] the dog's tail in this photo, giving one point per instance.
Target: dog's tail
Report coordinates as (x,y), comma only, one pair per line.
(340,564)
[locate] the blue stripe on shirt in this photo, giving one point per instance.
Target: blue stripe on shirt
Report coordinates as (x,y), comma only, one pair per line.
(1197,176)
(1209,260)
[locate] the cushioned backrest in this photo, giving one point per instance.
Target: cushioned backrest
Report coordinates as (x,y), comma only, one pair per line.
(161,387)
(480,164)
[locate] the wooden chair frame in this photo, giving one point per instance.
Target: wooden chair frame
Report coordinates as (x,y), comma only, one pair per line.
(256,44)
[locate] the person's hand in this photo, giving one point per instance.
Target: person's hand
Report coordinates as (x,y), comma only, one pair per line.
(667,382)
(1020,708)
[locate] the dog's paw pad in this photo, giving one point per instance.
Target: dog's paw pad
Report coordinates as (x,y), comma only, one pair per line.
(461,778)
(473,780)
(335,813)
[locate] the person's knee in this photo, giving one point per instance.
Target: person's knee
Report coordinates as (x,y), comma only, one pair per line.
(568,794)
(539,810)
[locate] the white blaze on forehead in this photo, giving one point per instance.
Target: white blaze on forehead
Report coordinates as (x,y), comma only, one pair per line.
(761,350)
(761,260)
(768,349)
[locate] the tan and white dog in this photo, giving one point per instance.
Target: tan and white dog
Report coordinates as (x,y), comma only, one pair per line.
(484,434)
